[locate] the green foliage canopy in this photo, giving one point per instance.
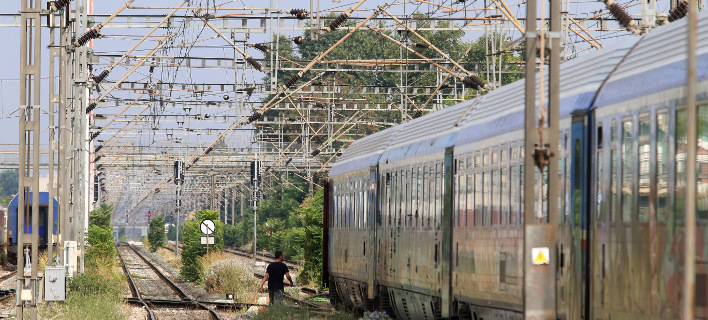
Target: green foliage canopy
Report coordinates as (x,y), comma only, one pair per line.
(156,235)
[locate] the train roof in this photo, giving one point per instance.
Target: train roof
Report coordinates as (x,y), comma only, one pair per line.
(428,134)
(502,110)
(364,152)
(656,64)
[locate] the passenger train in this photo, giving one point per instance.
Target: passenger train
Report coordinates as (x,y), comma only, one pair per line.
(425,219)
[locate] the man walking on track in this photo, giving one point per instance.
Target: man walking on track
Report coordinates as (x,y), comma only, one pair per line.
(274,276)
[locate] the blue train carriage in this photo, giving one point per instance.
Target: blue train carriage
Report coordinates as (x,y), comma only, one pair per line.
(43,218)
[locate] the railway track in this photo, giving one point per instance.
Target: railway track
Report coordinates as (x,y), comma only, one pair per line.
(294,264)
(154,291)
(262,257)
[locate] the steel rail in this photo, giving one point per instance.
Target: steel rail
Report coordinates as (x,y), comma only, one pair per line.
(185,297)
(134,287)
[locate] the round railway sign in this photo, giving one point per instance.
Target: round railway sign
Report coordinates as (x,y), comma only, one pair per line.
(207,227)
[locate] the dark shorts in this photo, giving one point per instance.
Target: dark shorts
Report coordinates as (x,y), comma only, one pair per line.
(275,295)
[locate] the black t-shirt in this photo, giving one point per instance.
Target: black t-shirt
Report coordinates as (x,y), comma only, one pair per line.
(276,271)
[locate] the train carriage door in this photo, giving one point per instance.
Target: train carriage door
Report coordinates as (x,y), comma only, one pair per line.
(579,186)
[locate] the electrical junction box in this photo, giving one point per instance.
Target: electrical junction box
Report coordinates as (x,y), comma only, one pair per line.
(54,283)
(70,257)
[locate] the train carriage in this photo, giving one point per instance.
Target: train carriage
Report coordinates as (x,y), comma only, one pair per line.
(444,197)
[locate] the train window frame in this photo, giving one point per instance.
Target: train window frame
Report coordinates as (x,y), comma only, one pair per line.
(440,190)
(662,172)
(515,183)
(680,166)
(628,134)
(599,171)
(702,166)
(486,190)
(644,172)
(426,196)
(469,191)
(562,159)
(614,172)
(504,183)
(478,195)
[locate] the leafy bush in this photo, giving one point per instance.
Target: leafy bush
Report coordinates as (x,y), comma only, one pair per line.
(193,249)
(101,249)
(232,276)
(313,210)
(101,216)
(156,235)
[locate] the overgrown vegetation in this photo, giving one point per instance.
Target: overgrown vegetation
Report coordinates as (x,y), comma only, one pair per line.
(231,276)
(156,235)
(193,249)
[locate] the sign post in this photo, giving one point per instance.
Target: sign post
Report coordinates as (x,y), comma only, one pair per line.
(207,227)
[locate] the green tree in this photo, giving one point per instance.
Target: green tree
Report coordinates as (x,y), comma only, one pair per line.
(101,216)
(313,211)
(9,180)
(156,235)
(193,249)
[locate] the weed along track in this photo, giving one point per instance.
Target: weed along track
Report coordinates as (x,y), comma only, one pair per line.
(156,293)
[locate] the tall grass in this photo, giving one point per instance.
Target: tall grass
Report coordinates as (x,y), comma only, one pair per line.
(230,276)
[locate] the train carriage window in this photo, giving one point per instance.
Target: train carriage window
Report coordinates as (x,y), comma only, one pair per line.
(478,205)
(440,190)
(387,204)
(514,187)
(414,197)
(460,188)
(681,148)
(367,194)
(495,197)
(419,197)
(599,175)
(426,198)
(487,191)
(702,164)
(433,195)
(355,215)
(335,213)
(614,195)
(407,206)
(627,161)
(399,198)
(522,210)
(503,185)
(644,167)
(362,202)
(662,166)
(561,177)
(469,192)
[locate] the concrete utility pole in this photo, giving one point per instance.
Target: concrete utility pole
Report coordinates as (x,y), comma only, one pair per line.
(541,142)
(28,185)
(689,274)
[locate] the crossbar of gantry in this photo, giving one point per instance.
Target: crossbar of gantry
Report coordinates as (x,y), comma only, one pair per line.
(260,23)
